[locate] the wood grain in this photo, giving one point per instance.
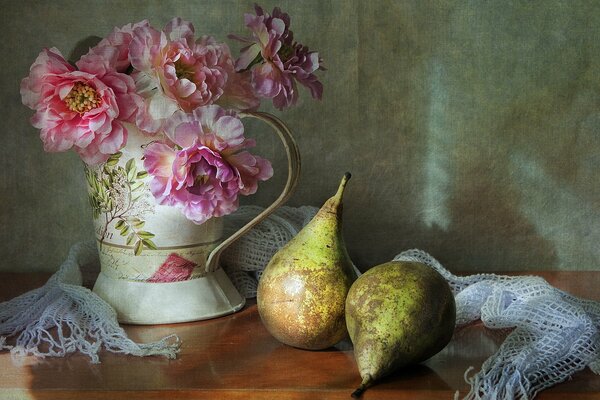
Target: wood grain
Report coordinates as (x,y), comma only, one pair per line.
(234,357)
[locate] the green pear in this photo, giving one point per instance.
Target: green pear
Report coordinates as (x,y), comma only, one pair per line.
(302,291)
(398,314)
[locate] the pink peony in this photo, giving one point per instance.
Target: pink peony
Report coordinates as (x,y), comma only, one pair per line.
(175,72)
(82,109)
(276,61)
(238,93)
(208,167)
(119,39)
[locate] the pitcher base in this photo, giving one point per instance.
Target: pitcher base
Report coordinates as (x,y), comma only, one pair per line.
(148,303)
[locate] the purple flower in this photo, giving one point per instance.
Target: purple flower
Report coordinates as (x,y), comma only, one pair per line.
(276,61)
(207,166)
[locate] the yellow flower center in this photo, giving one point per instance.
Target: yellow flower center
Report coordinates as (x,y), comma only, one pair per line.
(82,98)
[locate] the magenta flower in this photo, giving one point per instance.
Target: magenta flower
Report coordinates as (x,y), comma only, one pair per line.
(82,109)
(276,61)
(208,167)
(175,72)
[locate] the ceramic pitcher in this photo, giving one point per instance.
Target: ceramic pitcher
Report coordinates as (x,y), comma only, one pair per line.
(156,265)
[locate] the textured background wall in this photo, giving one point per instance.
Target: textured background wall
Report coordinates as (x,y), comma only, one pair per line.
(472,128)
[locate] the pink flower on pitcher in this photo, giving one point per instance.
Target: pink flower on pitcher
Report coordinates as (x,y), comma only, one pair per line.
(207,166)
(276,61)
(80,108)
(175,72)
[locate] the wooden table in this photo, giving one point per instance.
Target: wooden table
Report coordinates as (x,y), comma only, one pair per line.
(234,357)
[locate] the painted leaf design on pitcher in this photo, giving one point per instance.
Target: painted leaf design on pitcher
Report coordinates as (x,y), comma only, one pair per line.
(118,194)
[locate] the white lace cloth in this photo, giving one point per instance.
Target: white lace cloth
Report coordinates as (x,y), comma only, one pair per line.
(555,333)
(84,322)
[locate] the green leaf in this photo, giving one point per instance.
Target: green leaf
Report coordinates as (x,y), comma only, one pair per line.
(89,177)
(137,250)
(137,186)
(145,235)
(125,230)
(130,165)
(149,244)
(119,224)
(130,239)
(137,197)
(142,174)
(257,60)
(139,224)
(111,163)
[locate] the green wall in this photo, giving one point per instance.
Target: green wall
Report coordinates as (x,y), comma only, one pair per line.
(472,128)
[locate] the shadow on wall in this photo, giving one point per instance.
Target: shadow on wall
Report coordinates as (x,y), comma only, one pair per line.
(491,147)
(82,47)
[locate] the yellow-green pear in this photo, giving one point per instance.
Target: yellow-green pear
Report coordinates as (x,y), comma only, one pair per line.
(302,291)
(398,314)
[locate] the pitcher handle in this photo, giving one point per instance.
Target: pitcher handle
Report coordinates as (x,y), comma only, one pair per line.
(293,156)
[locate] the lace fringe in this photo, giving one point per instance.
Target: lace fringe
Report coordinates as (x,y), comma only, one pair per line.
(63,317)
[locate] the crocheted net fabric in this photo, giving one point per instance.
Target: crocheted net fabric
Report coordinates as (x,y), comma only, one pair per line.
(555,334)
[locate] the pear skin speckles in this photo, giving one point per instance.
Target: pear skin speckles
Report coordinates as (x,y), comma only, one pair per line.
(302,292)
(398,314)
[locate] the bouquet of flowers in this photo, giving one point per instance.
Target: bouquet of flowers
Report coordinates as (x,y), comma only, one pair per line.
(184,93)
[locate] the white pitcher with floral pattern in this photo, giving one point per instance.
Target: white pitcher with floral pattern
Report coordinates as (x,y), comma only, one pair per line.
(157,266)
(155,114)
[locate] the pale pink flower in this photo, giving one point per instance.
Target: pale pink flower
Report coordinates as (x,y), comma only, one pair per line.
(82,109)
(119,38)
(208,167)
(174,71)
(238,93)
(276,61)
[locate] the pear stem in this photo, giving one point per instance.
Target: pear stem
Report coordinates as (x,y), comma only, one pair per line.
(366,382)
(340,192)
